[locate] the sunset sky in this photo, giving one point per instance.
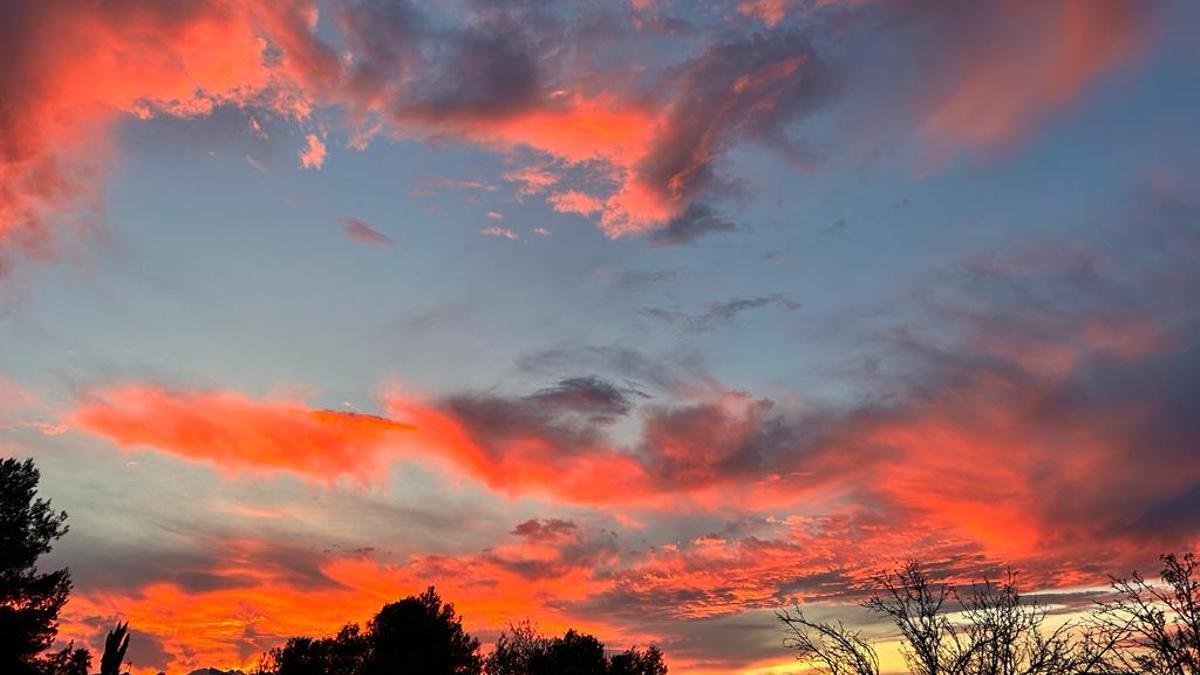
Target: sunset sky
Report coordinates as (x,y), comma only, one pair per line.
(644,317)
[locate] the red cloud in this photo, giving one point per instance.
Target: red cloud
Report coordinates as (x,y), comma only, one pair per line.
(238,434)
(74,67)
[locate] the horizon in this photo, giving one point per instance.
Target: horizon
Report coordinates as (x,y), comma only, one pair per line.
(647,318)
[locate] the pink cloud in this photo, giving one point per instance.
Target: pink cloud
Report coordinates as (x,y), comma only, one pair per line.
(497,231)
(769,12)
(313,155)
(1001,90)
(574,201)
(531,180)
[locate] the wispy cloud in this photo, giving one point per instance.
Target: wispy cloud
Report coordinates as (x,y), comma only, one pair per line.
(716,314)
(236,433)
(497,231)
(364,233)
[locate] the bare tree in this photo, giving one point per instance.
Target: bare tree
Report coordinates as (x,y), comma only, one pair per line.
(1009,636)
(931,645)
(839,650)
(986,629)
(1156,627)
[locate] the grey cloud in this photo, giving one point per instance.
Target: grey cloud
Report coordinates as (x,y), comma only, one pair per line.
(599,400)
(695,222)
(719,314)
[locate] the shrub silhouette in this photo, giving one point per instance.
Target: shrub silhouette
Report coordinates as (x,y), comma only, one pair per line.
(521,651)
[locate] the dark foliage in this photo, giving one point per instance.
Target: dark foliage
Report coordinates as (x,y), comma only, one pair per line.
(572,654)
(648,661)
(419,634)
(521,651)
(116,643)
(30,600)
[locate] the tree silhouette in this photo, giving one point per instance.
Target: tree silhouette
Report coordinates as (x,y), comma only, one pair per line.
(342,654)
(839,650)
(419,634)
(69,661)
(116,643)
(515,649)
(572,654)
(648,661)
(30,600)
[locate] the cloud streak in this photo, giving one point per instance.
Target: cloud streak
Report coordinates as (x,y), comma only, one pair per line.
(364,233)
(238,434)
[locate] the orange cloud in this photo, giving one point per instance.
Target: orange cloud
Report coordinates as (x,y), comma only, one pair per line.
(574,128)
(258,593)
(577,129)
(236,433)
(259,602)
(525,460)
(551,571)
(76,67)
(996,462)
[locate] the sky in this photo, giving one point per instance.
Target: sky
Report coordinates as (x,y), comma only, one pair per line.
(643,317)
